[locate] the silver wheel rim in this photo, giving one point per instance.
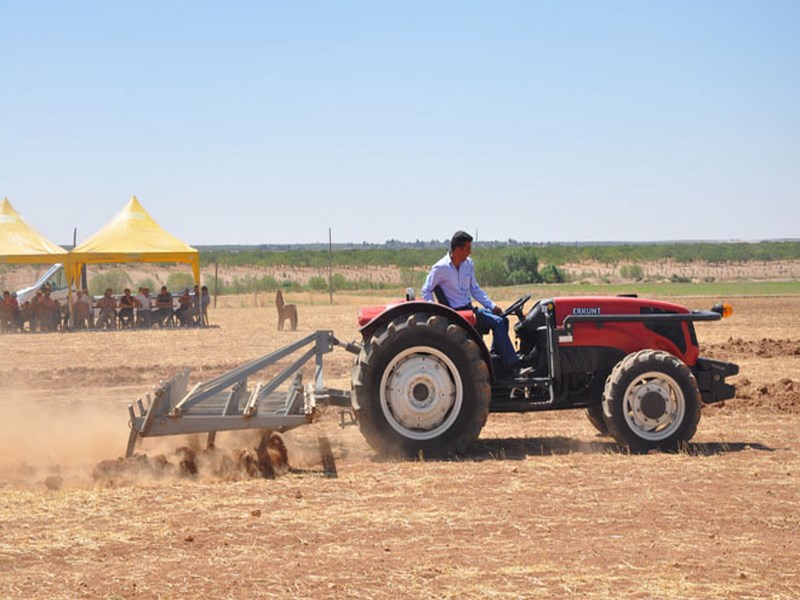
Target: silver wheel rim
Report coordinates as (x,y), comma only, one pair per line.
(654,406)
(421,393)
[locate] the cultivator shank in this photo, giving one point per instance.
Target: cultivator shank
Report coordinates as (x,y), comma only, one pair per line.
(226,404)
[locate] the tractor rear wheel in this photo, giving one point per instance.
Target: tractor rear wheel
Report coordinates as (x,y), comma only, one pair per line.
(651,402)
(595,416)
(421,387)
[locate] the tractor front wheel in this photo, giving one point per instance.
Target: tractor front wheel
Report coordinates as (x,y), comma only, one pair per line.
(421,387)
(651,402)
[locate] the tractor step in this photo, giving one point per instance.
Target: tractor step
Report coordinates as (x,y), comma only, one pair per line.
(522,394)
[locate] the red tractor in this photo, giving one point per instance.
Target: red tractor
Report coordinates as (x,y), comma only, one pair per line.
(424,380)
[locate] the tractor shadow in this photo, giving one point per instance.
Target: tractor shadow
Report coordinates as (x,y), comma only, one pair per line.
(520,448)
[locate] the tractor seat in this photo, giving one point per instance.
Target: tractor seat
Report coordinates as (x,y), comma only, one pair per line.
(464,311)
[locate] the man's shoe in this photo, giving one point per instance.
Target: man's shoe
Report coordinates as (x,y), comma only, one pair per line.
(528,360)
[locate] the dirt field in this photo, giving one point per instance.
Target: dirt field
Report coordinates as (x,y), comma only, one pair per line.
(541,508)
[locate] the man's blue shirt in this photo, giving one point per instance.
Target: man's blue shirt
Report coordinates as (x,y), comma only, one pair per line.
(458,283)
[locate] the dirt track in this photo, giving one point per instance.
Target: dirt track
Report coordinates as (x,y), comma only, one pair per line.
(541,508)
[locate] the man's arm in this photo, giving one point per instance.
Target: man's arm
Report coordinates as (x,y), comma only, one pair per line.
(431,281)
(477,292)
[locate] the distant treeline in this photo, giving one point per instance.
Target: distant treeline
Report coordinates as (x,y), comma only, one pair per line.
(412,256)
(496,265)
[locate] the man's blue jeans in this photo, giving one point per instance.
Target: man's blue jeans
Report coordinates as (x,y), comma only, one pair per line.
(501,342)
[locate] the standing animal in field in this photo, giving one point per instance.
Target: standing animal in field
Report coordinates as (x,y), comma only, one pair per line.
(285,311)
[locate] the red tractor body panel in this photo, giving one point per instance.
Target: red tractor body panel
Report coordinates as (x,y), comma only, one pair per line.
(626,336)
(368,313)
(676,337)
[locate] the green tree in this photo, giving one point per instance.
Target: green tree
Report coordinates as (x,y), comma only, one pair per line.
(491,270)
(523,266)
(413,278)
(245,285)
(631,272)
(179,281)
(267,283)
(116,279)
(340,282)
(552,274)
(317,283)
(147,282)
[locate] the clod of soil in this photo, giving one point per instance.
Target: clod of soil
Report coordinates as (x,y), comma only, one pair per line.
(268,460)
(764,348)
(780,396)
(53,482)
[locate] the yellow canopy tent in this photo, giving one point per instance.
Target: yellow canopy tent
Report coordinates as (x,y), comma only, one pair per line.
(133,236)
(22,244)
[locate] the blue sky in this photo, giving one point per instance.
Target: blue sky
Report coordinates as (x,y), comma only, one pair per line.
(269,122)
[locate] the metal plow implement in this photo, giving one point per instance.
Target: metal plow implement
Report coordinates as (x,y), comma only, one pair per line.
(227,404)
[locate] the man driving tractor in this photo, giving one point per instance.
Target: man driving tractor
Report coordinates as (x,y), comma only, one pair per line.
(452,282)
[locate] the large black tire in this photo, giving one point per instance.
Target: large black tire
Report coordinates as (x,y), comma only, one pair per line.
(421,387)
(651,402)
(595,416)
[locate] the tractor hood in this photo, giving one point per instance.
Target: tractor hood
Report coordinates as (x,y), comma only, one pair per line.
(606,306)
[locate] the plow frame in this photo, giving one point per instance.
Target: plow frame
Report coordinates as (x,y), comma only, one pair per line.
(225,404)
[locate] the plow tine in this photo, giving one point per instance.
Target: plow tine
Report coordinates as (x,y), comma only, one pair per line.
(133,437)
(155,405)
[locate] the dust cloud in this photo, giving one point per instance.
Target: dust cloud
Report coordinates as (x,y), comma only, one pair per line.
(77,444)
(40,434)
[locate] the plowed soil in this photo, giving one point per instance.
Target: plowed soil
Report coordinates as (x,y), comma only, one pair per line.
(541,507)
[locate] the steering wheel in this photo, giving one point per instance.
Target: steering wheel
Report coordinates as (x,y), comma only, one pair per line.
(516,307)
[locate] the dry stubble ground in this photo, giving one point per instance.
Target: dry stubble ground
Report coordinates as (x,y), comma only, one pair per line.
(541,508)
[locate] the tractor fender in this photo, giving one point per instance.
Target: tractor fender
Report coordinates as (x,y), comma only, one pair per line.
(407,308)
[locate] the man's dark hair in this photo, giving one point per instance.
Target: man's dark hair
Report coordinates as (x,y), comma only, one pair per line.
(459,239)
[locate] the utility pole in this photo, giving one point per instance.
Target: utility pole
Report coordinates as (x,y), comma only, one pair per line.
(216,282)
(330,264)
